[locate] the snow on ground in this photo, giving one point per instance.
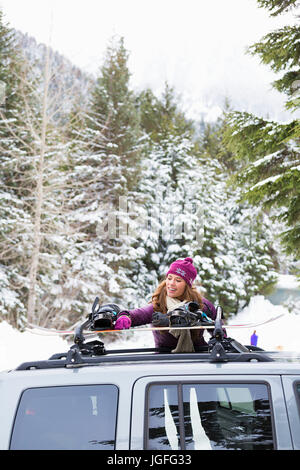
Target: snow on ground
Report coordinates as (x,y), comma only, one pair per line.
(17,347)
(287,281)
(281,334)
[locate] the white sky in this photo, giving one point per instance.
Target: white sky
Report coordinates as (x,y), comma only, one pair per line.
(196,45)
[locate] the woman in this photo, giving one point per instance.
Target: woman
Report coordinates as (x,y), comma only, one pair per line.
(174,291)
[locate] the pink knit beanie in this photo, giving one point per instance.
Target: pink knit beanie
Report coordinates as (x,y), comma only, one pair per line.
(185,269)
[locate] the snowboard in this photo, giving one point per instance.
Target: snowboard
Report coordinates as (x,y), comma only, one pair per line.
(35,329)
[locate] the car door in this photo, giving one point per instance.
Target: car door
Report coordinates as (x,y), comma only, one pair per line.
(209,412)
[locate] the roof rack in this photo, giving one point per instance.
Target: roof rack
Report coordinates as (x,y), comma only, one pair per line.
(64,361)
(220,349)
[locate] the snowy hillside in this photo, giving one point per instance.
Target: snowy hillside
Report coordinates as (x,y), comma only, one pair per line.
(282,334)
(68,82)
(207,98)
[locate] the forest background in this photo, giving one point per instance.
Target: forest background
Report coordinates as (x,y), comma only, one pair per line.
(102,187)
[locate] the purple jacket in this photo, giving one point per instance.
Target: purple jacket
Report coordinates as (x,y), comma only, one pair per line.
(143,316)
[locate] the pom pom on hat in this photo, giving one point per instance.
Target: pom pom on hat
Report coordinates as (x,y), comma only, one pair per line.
(185,269)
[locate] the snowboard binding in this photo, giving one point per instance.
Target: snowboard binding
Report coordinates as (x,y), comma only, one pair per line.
(187,315)
(101,318)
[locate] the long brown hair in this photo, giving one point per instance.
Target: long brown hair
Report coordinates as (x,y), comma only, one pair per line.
(159,297)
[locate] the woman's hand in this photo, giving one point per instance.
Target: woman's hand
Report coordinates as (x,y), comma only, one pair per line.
(123,322)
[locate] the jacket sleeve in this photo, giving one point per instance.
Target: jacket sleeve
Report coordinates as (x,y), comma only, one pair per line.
(142,315)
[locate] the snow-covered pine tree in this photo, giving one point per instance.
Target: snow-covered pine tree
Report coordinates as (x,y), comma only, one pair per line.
(114,114)
(238,257)
(33,236)
(252,248)
(106,154)
(168,180)
(14,216)
(268,150)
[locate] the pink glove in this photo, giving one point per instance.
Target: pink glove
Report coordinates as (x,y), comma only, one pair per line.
(123,323)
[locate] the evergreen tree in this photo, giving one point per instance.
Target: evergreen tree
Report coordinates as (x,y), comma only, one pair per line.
(269,151)
(106,155)
(212,145)
(235,258)
(14,145)
(170,180)
(32,155)
(239,258)
(162,117)
(114,114)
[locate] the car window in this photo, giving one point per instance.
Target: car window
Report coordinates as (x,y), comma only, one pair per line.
(208,416)
(72,417)
(163,418)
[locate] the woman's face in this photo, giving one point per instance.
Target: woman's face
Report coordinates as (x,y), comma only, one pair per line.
(175,285)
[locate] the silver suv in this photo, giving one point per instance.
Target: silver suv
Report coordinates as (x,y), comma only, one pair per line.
(226,396)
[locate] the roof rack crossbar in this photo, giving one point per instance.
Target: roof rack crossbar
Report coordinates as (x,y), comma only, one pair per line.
(128,356)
